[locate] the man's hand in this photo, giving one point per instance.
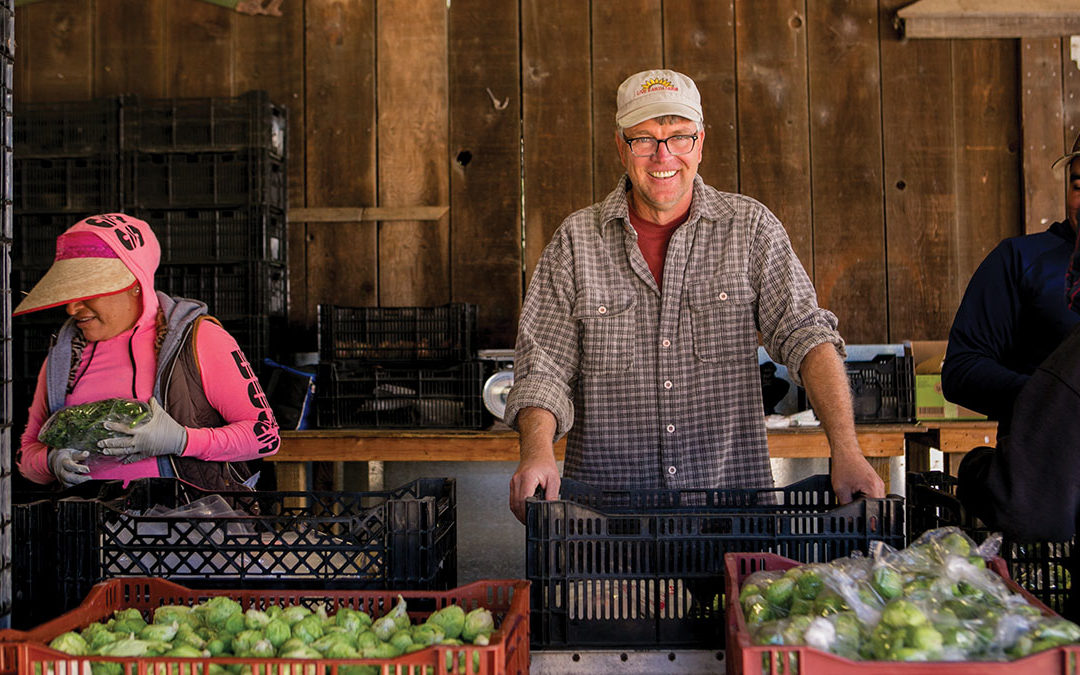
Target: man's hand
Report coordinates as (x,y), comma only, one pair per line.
(531,474)
(67,465)
(537,467)
(162,435)
(852,475)
(827,385)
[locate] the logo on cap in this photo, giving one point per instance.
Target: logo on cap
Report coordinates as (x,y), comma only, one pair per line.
(654,83)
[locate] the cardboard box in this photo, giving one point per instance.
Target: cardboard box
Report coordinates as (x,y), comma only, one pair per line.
(930,404)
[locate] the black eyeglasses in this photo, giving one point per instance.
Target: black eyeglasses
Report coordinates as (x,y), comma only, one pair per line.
(646,146)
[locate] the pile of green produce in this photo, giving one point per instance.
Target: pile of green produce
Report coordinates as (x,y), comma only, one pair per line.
(933,601)
(219,628)
(81,426)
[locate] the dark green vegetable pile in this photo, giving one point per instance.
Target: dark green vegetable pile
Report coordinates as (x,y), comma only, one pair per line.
(219,628)
(82,426)
(933,601)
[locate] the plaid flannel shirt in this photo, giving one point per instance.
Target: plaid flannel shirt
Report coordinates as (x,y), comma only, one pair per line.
(662,389)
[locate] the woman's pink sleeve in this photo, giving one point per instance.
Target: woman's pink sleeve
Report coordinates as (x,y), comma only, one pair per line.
(233,389)
(33,460)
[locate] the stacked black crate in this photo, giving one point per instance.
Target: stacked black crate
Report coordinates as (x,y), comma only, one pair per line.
(7,527)
(208,175)
(399,367)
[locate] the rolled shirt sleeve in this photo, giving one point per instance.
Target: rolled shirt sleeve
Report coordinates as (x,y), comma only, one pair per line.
(546,354)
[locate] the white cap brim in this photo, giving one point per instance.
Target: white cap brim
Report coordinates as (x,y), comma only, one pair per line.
(657,109)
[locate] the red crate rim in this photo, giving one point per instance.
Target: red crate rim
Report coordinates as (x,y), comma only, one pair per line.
(742,656)
(506,652)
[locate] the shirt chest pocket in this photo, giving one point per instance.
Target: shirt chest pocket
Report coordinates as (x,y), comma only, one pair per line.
(722,318)
(606,330)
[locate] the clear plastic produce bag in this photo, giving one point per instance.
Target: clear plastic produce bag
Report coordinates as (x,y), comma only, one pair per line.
(81,426)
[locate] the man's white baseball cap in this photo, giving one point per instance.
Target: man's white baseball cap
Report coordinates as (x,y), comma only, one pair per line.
(655,93)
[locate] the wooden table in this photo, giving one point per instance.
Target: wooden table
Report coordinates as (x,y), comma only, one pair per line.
(879,444)
(952,438)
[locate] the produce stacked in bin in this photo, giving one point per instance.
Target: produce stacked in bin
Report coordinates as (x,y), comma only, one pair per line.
(399,367)
(158,626)
(221,627)
(1041,567)
(933,601)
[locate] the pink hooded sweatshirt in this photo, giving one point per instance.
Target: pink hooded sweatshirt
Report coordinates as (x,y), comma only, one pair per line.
(126,366)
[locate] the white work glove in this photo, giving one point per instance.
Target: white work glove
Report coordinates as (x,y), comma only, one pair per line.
(68,467)
(162,435)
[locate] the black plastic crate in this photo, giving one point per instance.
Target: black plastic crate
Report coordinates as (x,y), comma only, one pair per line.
(7,600)
(357,395)
(34,570)
(22,280)
(257,233)
(67,184)
(444,333)
(645,568)
(230,290)
(206,179)
(260,337)
(882,390)
(405,538)
(34,244)
(68,128)
(206,124)
(1041,567)
(30,345)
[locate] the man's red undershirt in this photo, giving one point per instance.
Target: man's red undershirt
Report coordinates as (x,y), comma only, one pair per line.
(653,240)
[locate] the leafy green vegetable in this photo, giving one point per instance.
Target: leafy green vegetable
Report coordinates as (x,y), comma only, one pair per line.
(70,643)
(451,619)
(219,627)
(478,622)
(82,426)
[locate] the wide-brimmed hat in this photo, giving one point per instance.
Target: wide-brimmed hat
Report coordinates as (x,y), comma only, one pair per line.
(84,268)
(1068,156)
(655,93)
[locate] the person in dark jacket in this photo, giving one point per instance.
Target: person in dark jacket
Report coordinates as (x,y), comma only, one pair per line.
(1028,486)
(1013,314)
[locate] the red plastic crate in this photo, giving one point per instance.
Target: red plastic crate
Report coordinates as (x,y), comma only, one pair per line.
(743,657)
(26,653)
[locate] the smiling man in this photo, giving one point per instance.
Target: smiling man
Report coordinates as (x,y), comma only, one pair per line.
(638,337)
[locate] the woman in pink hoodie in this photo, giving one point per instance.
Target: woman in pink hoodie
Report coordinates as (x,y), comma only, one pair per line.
(124,340)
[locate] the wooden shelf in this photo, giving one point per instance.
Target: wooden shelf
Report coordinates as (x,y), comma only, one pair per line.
(363,445)
(880,443)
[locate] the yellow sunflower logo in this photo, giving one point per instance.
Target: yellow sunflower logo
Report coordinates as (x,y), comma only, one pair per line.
(656,83)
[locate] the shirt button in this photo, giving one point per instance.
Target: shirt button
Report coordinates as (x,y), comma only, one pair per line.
(666,342)
(723,296)
(601,310)
(671,428)
(667,384)
(671,470)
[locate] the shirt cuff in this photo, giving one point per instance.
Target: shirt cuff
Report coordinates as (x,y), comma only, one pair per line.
(540,393)
(805,340)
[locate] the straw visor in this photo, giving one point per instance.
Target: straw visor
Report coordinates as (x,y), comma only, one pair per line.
(72,279)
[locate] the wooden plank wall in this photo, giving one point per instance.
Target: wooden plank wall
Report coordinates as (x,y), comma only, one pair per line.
(895,165)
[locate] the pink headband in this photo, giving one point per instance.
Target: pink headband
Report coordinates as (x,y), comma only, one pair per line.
(82,245)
